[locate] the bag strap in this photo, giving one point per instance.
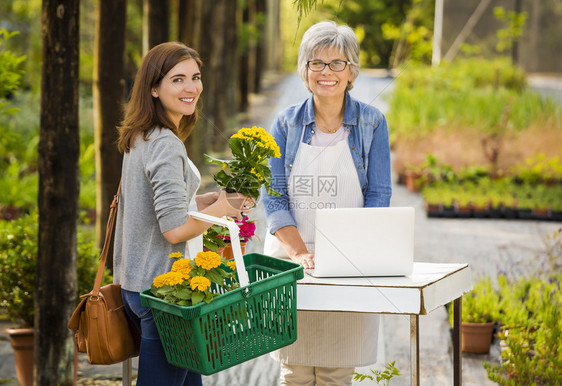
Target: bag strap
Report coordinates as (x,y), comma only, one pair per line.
(108,234)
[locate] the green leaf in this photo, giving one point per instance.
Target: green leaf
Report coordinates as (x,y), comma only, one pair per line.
(184,293)
(197,297)
(164,290)
(236,147)
(215,277)
(213,160)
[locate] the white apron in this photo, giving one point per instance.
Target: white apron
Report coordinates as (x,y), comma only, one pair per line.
(194,245)
(325,177)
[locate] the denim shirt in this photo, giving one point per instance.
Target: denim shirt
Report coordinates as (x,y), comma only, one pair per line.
(368,143)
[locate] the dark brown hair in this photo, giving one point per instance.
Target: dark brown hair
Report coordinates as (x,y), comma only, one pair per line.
(144,113)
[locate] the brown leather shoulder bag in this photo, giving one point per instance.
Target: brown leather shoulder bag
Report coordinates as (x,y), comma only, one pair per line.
(103,329)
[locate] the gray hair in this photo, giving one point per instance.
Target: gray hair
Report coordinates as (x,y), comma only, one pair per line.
(327,34)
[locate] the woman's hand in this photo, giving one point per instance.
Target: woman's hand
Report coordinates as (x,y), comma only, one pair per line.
(235,204)
(206,199)
(304,259)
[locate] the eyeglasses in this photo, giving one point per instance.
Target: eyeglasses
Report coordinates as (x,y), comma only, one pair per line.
(317,65)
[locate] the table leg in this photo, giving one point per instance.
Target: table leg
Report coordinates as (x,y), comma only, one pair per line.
(415,349)
(127,372)
(457,347)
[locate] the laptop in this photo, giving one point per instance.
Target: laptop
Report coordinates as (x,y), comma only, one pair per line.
(357,242)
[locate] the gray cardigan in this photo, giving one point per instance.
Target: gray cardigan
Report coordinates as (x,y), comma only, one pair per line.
(156,189)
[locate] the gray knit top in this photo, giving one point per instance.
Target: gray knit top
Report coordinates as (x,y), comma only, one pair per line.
(157,185)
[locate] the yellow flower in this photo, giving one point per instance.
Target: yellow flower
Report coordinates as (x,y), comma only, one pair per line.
(231,265)
(260,137)
(169,278)
(259,177)
(208,260)
(175,255)
(201,283)
(182,266)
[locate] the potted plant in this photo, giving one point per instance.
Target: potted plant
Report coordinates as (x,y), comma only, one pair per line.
(18,256)
(433,201)
(463,200)
(217,239)
(249,170)
(479,315)
(213,239)
(531,318)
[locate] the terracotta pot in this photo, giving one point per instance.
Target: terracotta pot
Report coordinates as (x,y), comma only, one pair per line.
(412,180)
(477,337)
(227,252)
(22,342)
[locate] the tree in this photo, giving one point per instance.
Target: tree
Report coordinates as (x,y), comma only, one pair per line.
(156,23)
(108,93)
(55,295)
(189,22)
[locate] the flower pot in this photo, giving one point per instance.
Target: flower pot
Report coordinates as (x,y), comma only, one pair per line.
(21,340)
(477,337)
(541,214)
(412,180)
(480,211)
(463,211)
(227,252)
(433,210)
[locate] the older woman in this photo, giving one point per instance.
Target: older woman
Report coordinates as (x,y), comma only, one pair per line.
(334,153)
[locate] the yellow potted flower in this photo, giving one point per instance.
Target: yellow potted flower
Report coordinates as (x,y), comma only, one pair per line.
(248,170)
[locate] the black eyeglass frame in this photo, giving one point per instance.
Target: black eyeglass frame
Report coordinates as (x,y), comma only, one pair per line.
(347,62)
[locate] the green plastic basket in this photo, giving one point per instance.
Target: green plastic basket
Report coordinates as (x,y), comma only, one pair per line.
(235,327)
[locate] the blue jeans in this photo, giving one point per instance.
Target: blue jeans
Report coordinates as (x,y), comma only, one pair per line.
(154,368)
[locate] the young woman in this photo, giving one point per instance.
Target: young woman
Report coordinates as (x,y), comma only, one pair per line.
(158,189)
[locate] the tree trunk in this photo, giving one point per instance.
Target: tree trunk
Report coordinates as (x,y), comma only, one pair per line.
(197,142)
(230,54)
(217,97)
(259,58)
(156,23)
(189,22)
(273,32)
(108,92)
(244,63)
(59,148)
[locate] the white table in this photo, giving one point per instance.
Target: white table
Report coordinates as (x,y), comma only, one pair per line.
(428,287)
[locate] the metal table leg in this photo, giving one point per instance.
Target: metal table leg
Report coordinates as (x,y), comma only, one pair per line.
(127,372)
(415,349)
(457,348)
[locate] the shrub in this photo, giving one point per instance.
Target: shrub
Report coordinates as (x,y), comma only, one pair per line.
(18,257)
(479,305)
(467,93)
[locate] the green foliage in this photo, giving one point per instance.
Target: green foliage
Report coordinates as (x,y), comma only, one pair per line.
(213,237)
(534,184)
(468,93)
(191,282)
(532,332)
(10,71)
(248,170)
(379,376)
(514,26)
(538,168)
(18,257)
(530,316)
(479,305)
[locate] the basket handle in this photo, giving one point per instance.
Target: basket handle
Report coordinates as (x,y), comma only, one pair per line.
(234,239)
